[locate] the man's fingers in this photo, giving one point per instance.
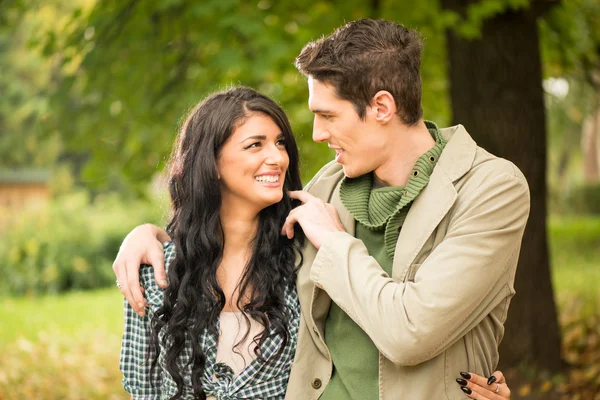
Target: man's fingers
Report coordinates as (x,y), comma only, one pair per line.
(288,225)
(121,274)
(300,195)
(156,258)
(136,298)
(125,287)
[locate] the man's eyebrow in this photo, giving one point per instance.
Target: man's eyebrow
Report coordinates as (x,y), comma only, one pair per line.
(321,111)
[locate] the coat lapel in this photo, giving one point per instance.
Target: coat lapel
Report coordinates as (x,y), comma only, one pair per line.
(435,200)
(425,214)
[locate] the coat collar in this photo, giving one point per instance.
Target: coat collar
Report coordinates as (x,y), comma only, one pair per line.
(432,204)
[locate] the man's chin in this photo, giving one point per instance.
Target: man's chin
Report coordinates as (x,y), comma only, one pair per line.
(348,172)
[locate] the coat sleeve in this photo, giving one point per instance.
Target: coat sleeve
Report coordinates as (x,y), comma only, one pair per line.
(455,287)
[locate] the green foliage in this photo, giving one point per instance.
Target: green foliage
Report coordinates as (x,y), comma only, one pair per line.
(575,255)
(68,245)
(24,76)
(477,12)
(571,33)
(97,90)
(585,199)
(576,237)
(128,71)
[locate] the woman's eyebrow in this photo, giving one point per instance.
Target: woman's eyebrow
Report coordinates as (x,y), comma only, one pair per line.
(254,137)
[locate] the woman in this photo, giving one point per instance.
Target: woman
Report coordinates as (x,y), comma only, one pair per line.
(227,323)
(226,326)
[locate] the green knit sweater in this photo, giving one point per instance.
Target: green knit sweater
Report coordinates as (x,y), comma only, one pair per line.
(379,215)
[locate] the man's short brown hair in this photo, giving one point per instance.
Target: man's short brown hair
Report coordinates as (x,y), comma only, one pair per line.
(366,56)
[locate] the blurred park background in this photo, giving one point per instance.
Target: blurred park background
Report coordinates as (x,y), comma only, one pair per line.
(92,94)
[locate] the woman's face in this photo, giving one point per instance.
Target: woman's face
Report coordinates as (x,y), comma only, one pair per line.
(252,164)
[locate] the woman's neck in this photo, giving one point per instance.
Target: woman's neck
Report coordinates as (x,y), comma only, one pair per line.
(239,231)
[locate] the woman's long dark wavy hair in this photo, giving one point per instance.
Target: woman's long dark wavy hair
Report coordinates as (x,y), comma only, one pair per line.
(193,300)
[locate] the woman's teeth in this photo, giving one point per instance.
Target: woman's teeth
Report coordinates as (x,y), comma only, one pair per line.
(267,178)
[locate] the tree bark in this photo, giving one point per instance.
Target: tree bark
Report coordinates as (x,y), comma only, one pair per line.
(496,93)
(589,144)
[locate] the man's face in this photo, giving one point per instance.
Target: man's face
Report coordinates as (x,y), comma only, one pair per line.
(358,144)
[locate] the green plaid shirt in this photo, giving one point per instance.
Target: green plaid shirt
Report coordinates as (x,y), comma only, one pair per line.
(257,381)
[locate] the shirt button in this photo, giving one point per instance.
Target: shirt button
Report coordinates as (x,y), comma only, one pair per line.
(316,383)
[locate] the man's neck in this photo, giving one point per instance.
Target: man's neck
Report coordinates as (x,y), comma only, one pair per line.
(406,145)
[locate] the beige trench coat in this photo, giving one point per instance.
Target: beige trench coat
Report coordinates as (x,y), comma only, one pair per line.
(442,311)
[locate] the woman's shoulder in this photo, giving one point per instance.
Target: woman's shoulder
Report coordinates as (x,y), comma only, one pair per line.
(153,292)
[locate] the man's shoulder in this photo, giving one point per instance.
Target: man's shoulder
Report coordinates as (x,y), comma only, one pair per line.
(486,163)
(325,181)
(482,163)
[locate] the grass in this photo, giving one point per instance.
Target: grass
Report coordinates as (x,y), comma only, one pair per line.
(67,347)
(79,313)
(575,256)
(61,347)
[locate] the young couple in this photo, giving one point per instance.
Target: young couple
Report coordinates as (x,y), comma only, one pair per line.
(388,277)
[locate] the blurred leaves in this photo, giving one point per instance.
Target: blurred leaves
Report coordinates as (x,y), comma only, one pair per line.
(124,73)
(69,245)
(581,350)
(102,86)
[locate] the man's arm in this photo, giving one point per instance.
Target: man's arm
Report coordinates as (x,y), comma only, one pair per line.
(143,245)
(455,287)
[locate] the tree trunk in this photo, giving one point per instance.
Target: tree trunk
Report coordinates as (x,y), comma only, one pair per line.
(589,144)
(496,93)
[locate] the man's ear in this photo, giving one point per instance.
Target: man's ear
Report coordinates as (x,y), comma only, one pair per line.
(383,106)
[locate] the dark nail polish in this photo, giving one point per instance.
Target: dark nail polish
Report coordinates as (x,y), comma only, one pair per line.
(491,380)
(461,382)
(465,375)
(466,390)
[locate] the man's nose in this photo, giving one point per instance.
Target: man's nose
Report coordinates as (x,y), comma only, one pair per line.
(320,134)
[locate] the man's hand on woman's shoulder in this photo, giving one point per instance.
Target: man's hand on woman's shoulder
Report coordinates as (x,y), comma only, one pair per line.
(143,245)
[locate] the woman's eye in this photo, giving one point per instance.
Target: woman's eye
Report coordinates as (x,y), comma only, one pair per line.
(253,145)
(281,142)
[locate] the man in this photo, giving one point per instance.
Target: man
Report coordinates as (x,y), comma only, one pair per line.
(412,282)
